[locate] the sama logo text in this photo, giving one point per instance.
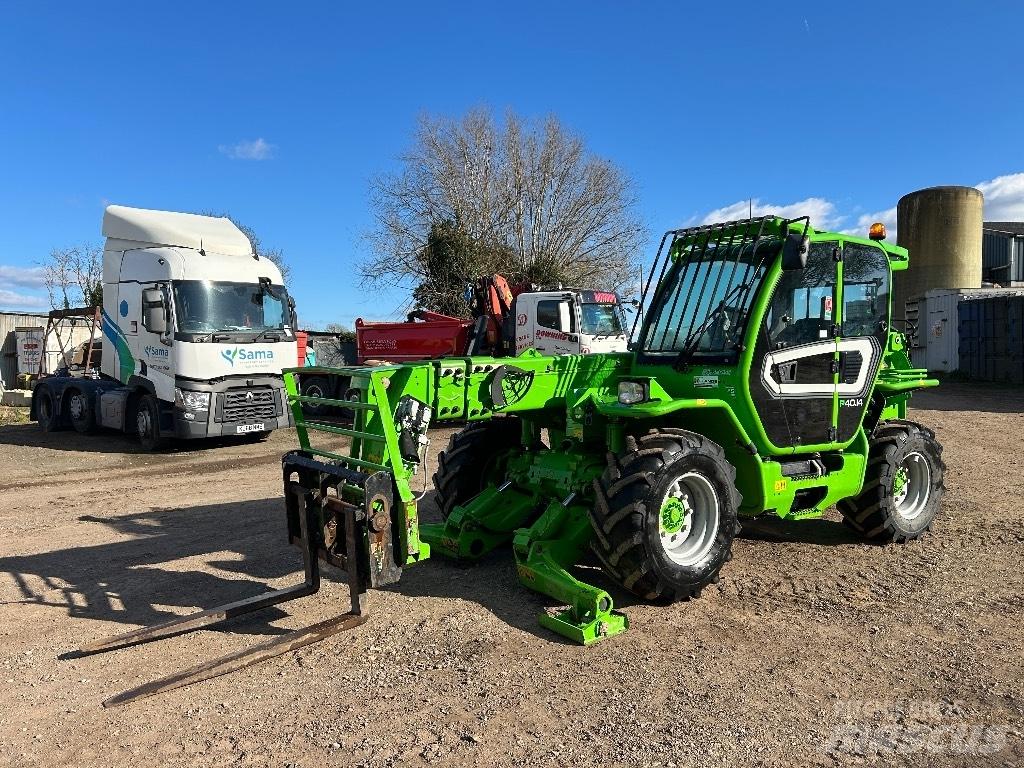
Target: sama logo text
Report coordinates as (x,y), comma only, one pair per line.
(156,352)
(242,356)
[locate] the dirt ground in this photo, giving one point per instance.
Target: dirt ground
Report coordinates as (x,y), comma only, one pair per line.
(814,649)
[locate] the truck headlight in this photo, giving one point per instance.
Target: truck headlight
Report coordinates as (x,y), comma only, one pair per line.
(631,392)
(191,401)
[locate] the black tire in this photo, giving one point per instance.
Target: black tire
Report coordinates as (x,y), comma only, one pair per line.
(147,424)
(315,386)
(81,412)
(902,455)
(46,411)
(476,456)
(630,540)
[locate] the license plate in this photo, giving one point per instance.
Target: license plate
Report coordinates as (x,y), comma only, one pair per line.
(241,429)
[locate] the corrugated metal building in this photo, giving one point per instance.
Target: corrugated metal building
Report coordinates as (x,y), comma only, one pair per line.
(67,336)
(1002,253)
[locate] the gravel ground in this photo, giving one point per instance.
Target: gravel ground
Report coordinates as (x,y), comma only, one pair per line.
(814,649)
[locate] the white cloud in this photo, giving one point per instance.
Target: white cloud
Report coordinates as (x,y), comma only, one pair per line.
(1004,197)
(822,212)
(22,301)
(257,149)
(24,277)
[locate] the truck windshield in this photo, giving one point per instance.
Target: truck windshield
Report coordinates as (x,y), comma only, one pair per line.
(700,308)
(600,319)
(204,306)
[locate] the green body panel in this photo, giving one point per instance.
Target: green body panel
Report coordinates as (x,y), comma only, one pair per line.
(542,509)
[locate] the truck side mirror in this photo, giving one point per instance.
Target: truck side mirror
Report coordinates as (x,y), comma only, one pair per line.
(154,315)
(794,252)
(565,324)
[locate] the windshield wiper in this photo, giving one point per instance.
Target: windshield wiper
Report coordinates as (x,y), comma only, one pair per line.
(693,339)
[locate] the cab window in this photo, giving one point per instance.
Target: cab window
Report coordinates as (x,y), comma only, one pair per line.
(865,290)
(547,315)
(801,310)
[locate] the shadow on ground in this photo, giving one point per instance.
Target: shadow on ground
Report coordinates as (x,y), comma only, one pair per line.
(958,396)
(145,579)
(819,532)
(135,581)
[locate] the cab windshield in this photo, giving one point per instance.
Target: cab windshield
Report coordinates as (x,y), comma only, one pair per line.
(204,306)
(700,308)
(600,319)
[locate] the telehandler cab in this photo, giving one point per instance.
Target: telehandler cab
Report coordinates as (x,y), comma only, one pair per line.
(765,379)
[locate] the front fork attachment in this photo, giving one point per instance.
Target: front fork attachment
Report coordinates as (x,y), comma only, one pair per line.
(363,562)
(545,547)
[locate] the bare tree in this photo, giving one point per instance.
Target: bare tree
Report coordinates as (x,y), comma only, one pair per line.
(74,276)
(527,196)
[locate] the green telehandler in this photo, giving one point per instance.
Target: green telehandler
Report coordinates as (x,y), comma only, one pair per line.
(765,378)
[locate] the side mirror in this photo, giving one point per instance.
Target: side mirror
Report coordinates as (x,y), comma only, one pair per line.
(794,252)
(565,324)
(154,315)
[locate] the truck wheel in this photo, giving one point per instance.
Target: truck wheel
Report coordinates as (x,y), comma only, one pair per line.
(315,386)
(903,485)
(665,515)
(476,457)
(81,412)
(46,411)
(147,423)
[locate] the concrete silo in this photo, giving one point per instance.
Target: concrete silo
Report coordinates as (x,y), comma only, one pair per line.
(941,227)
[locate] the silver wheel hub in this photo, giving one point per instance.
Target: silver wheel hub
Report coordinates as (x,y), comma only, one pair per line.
(142,421)
(688,540)
(77,406)
(912,486)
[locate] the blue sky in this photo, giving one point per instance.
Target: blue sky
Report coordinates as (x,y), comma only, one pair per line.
(281,112)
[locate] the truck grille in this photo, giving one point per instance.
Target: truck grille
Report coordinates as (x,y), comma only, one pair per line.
(241,404)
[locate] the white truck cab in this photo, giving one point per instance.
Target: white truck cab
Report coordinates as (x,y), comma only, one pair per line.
(196,328)
(569,322)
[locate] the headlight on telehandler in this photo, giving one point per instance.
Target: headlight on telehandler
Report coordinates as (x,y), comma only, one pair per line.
(632,392)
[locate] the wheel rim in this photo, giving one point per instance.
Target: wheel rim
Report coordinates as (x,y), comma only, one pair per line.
(911,486)
(313,390)
(76,406)
(688,523)
(143,422)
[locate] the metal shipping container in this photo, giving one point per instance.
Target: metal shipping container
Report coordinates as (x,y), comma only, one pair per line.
(934,330)
(992,337)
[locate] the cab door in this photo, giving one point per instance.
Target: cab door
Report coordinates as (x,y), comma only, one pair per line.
(555,326)
(864,331)
(793,375)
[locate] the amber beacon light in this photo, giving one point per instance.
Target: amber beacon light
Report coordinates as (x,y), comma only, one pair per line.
(877,231)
